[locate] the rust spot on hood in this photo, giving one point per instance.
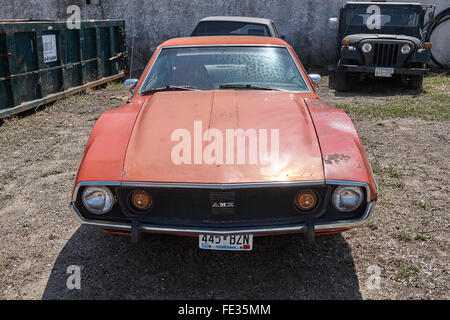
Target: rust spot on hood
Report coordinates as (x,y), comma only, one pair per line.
(336,158)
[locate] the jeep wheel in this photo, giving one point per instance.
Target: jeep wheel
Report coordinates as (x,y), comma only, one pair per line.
(341,81)
(332,80)
(416,82)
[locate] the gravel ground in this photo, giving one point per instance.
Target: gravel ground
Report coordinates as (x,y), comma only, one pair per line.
(406,136)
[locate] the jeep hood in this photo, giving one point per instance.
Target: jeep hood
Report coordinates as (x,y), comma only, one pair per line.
(355,38)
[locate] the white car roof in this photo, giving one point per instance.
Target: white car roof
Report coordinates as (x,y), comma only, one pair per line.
(238,19)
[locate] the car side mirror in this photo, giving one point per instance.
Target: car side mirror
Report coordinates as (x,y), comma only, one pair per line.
(315,78)
(130,83)
(333,23)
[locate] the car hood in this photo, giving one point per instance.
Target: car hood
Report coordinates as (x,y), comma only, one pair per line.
(171,125)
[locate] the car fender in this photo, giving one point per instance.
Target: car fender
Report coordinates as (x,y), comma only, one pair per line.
(343,155)
(105,150)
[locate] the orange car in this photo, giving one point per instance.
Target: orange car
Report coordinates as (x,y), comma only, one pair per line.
(224,138)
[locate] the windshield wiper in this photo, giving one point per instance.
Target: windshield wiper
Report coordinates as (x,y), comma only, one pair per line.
(169,88)
(247,86)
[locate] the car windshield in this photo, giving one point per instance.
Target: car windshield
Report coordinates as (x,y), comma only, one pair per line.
(392,20)
(223,28)
(223,67)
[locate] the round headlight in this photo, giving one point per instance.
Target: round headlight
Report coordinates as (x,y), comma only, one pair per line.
(97,200)
(306,200)
(405,49)
(346,198)
(366,47)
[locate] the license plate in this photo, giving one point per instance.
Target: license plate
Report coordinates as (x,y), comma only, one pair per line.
(242,242)
(384,72)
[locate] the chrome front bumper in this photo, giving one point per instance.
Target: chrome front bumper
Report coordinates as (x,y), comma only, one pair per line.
(320,227)
(397,70)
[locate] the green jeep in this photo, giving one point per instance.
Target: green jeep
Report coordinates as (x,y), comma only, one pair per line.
(381,39)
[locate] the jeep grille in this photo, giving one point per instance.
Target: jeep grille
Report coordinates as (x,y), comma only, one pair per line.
(385,54)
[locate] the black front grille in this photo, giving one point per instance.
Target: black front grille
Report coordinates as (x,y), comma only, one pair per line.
(385,54)
(203,205)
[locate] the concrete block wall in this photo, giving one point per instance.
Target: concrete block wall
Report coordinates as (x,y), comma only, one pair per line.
(150,22)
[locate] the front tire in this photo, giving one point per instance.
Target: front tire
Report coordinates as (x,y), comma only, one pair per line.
(341,81)
(332,80)
(416,82)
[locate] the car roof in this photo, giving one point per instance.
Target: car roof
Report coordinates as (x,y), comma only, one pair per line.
(224,40)
(238,19)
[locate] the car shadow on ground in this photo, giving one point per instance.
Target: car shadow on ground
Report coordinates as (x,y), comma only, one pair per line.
(172,267)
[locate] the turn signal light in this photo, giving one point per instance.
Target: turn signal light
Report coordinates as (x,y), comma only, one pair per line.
(141,200)
(345,42)
(427,45)
(306,200)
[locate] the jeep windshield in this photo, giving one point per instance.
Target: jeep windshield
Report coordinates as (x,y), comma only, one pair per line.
(393,20)
(224,68)
(230,28)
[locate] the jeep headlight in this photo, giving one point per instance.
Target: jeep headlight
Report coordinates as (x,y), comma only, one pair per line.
(347,198)
(97,200)
(405,49)
(366,47)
